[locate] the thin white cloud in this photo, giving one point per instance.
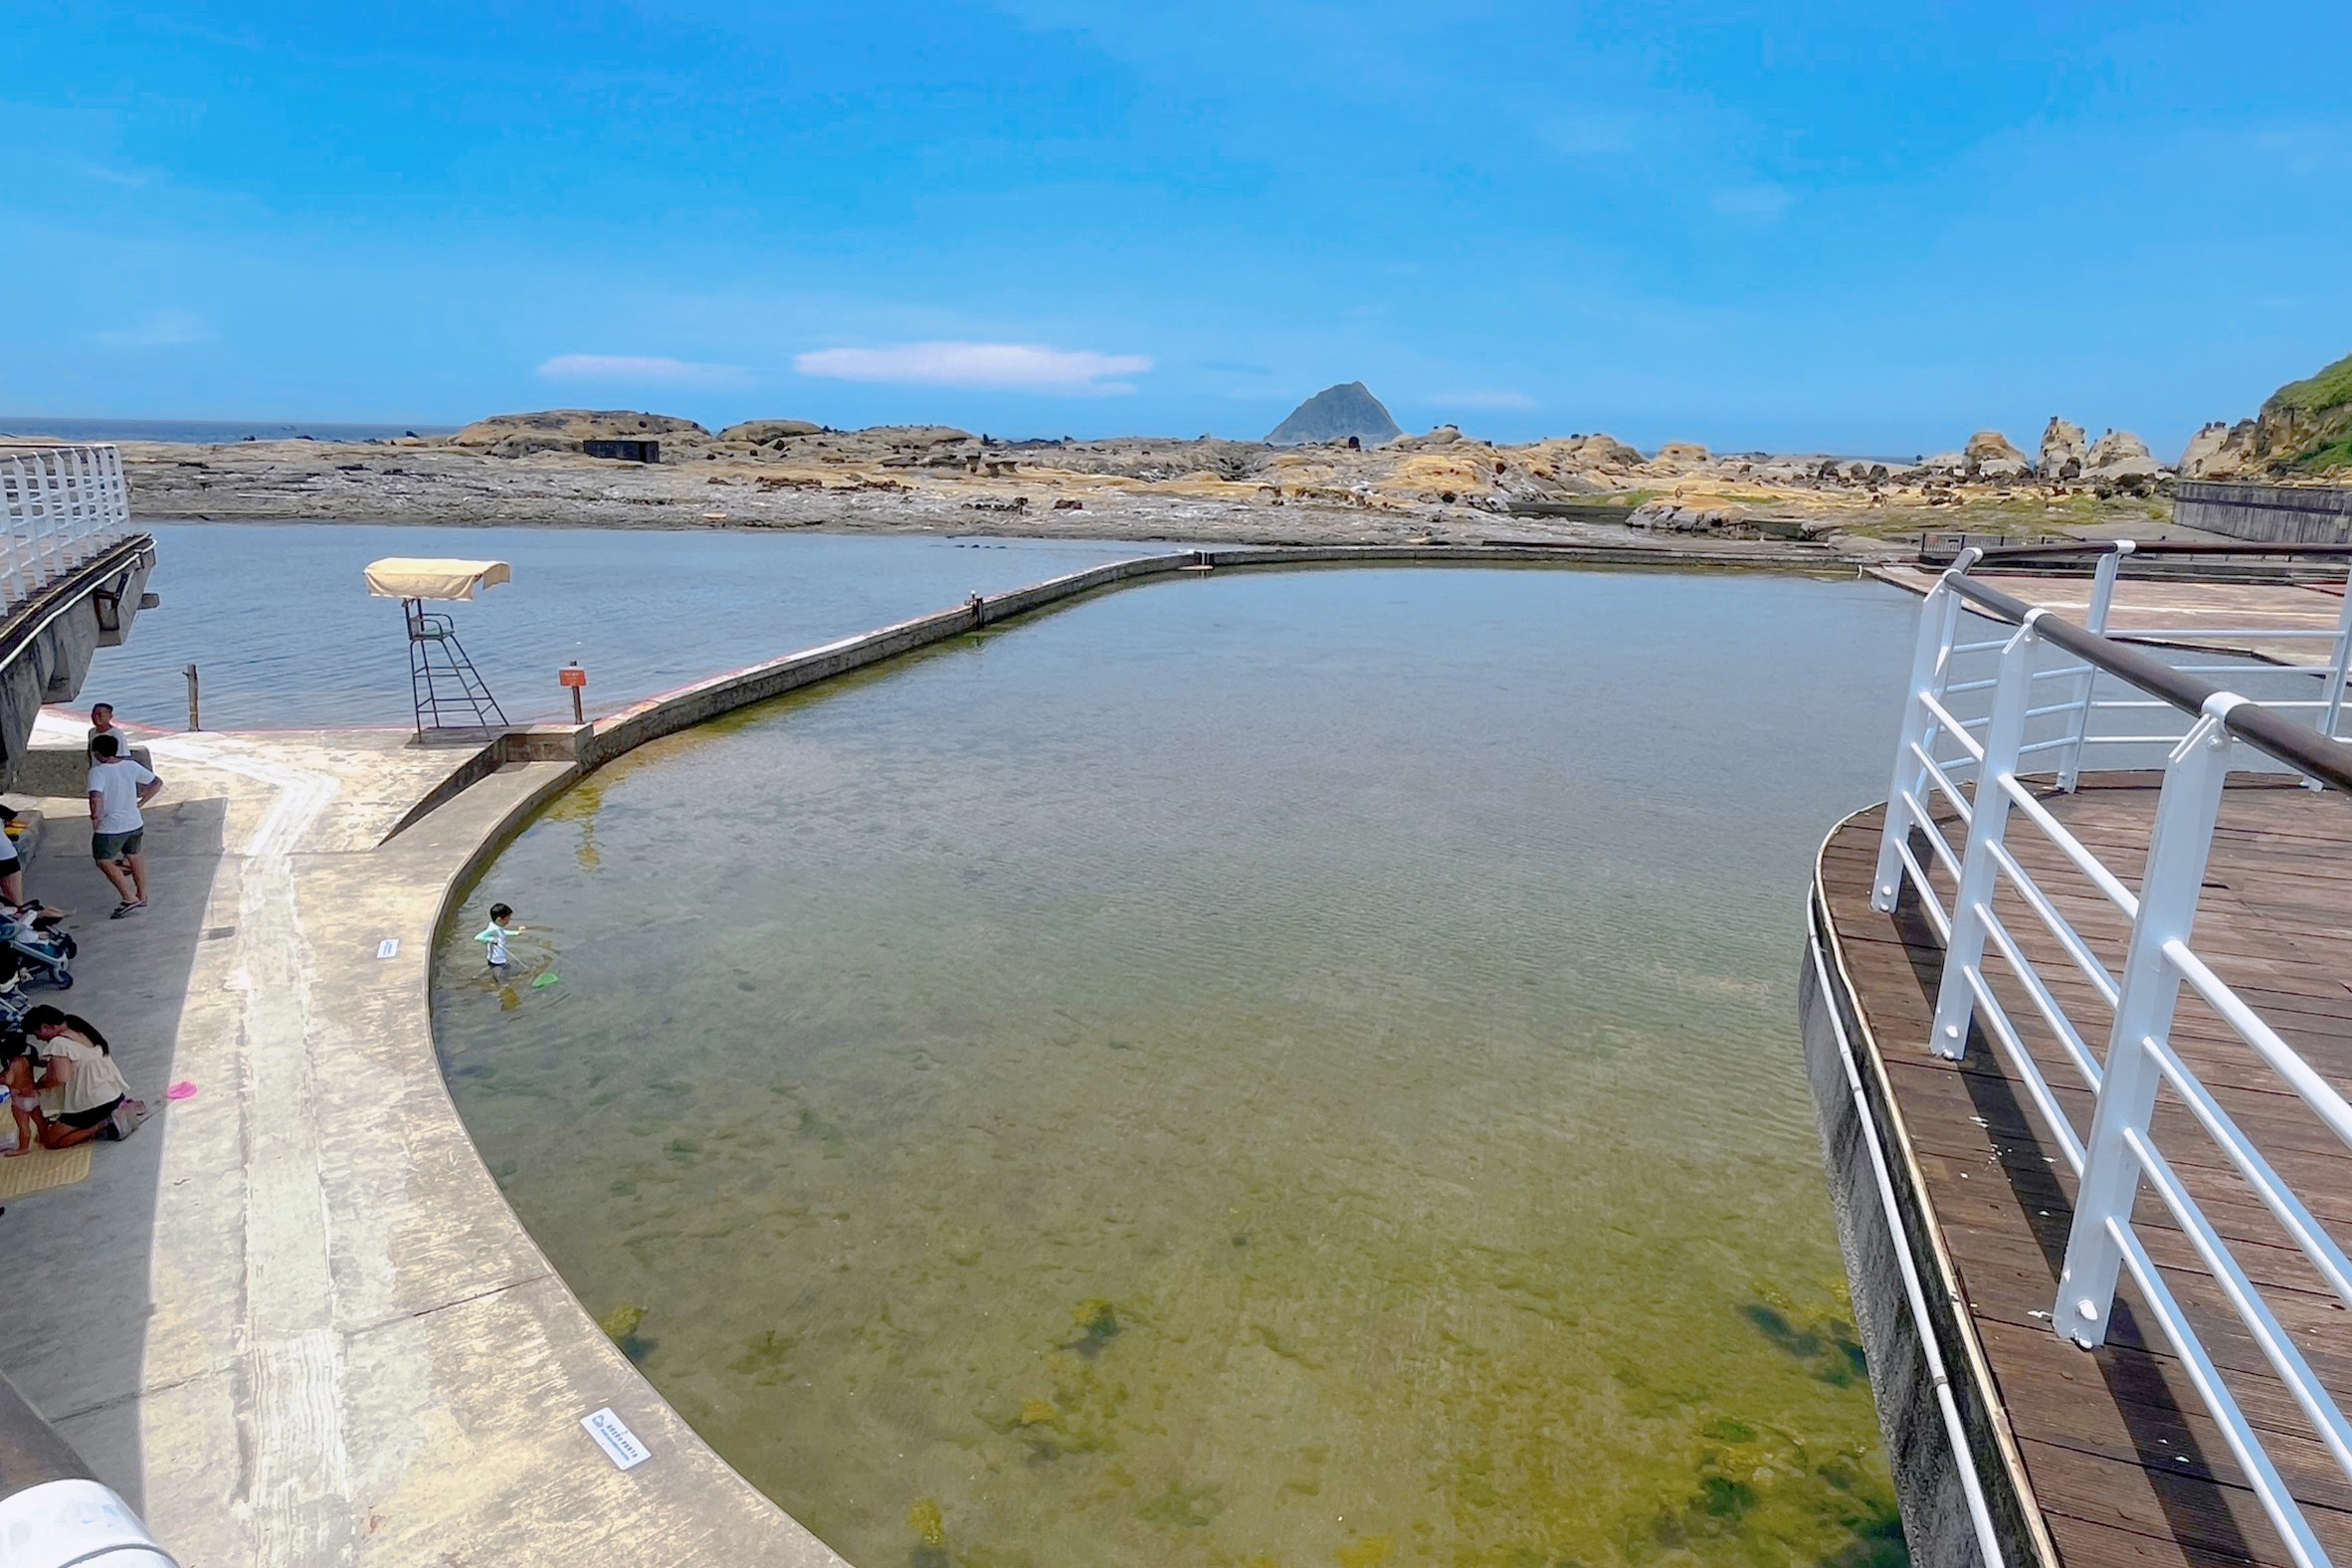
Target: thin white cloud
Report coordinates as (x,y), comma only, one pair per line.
(131,179)
(638,367)
(1019,367)
(1481,400)
(158,329)
(1585,133)
(1755,202)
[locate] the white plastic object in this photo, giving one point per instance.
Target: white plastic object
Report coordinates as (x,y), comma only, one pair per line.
(78,1522)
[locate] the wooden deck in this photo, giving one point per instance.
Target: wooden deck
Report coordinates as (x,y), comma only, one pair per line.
(2113,1448)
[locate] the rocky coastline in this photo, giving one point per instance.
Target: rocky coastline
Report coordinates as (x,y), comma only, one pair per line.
(1442,485)
(580,467)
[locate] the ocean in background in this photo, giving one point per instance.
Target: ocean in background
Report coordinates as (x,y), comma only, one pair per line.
(201,432)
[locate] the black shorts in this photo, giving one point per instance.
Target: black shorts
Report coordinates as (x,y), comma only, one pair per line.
(79,1119)
(116,846)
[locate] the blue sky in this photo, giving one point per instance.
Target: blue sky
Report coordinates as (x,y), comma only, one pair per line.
(1860,228)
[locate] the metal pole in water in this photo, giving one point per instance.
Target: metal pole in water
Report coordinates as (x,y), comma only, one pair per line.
(195,708)
(576,679)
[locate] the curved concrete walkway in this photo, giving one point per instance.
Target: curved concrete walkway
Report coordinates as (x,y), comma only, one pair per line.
(291,1319)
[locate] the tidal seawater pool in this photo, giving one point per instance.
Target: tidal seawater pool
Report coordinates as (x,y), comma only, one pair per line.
(1289,1069)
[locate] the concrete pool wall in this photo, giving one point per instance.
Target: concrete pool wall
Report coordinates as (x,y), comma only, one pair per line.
(592,745)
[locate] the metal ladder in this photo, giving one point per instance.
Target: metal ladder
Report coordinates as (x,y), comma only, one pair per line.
(448,690)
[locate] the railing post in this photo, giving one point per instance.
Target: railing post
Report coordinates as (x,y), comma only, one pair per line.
(52,528)
(117,494)
(1939,617)
(2103,600)
(2176,850)
(79,494)
(2342,654)
(12,507)
(1980,872)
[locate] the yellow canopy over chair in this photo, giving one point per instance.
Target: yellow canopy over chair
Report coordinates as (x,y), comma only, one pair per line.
(448,690)
(420,577)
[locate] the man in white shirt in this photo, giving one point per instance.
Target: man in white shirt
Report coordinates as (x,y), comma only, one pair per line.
(119,787)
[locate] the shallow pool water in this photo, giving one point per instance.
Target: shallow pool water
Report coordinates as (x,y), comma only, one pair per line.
(1289,1069)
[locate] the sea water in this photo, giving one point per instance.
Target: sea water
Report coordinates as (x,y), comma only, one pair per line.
(1265,1069)
(278,622)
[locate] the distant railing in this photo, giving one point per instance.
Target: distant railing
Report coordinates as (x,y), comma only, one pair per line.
(2042,718)
(61,508)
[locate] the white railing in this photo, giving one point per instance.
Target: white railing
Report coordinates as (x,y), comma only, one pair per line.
(61,508)
(2039,685)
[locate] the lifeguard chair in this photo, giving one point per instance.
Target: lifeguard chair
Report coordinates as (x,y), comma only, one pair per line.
(450,692)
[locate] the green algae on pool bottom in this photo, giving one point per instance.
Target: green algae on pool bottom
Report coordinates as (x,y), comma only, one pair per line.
(1275,1070)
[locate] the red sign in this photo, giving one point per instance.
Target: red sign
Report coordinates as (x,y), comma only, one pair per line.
(573,675)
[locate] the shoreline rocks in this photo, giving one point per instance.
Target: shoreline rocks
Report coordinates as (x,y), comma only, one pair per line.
(1442,483)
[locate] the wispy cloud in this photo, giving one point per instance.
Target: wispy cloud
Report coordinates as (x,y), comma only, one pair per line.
(638,367)
(2304,150)
(1585,133)
(1755,202)
(158,329)
(1020,368)
(130,179)
(1488,399)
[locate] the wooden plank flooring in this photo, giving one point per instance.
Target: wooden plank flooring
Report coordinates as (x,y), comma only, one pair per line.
(2125,1462)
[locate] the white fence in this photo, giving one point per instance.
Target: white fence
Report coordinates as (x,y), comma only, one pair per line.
(2052,692)
(62,507)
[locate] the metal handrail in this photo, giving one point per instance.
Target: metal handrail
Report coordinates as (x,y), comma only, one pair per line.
(2119,1153)
(61,506)
(1993,554)
(2299,748)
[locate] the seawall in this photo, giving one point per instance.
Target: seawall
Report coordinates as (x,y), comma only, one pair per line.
(1906,1292)
(592,745)
(2265,513)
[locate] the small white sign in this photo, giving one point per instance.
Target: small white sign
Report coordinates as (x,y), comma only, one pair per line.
(612,1435)
(389,948)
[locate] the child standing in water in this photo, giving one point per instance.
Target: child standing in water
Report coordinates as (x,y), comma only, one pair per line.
(495,933)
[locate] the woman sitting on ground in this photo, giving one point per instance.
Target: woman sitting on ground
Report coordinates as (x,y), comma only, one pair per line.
(82,1095)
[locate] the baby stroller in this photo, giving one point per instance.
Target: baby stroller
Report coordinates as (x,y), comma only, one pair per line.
(13,1004)
(31,938)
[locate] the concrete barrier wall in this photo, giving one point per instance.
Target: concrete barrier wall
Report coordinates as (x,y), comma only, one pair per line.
(704,700)
(593,746)
(1919,1448)
(46,646)
(62,772)
(2265,513)
(590,746)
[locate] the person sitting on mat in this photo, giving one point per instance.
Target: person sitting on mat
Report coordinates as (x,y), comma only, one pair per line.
(83,1093)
